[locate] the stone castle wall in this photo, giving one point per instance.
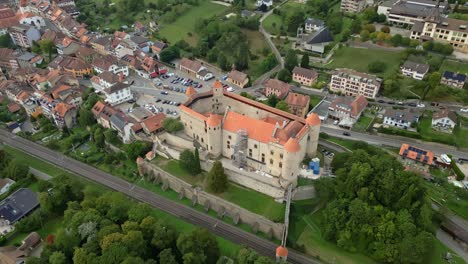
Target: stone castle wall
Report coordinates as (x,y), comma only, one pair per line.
(210,202)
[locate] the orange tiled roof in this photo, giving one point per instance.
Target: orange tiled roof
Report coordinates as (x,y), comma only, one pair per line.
(256,129)
(296,99)
(417,154)
(154,123)
(292,145)
(281,251)
(14,107)
(61,109)
(214,120)
(190,91)
(313,120)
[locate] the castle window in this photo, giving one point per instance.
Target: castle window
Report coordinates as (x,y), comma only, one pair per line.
(228,144)
(255,146)
(281,155)
(229,137)
(271,161)
(272,152)
(280,165)
(263,157)
(202,140)
(250,152)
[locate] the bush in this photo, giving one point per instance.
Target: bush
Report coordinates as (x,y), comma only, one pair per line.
(457,171)
(377,66)
(172,125)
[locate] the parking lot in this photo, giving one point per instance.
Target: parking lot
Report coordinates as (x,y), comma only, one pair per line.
(165,93)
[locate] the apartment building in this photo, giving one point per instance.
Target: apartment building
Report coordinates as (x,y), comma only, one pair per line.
(352,6)
(354,83)
(24,35)
(442,29)
(409,12)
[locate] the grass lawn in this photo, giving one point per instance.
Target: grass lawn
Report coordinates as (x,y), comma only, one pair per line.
(257,44)
(438,252)
(363,123)
(457,138)
(446,195)
(246,198)
(51,226)
(453,66)
(268,24)
(349,144)
(178,30)
(359,59)
(315,100)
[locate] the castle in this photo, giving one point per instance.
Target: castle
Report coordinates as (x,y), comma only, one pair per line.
(254,136)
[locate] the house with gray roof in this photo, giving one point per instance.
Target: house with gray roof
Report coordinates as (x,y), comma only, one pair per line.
(315,41)
(18,205)
(400,118)
(414,70)
(453,79)
(120,123)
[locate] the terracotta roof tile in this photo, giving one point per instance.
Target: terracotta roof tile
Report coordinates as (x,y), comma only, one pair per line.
(296,99)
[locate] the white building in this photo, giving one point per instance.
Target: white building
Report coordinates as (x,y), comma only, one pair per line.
(353,83)
(5,185)
(24,35)
(313,24)
(444,119)
(32,19)
(408,12)
(268,3)
(414,70)
(400,118)
(118,93)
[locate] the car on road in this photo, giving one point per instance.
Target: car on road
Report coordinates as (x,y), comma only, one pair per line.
(230,89)
(346,133)
(164,93)
(412,104)
(400,103)
(421,105)
(131,101)
(381,101)
(158,100)
(391,103)
(464,110)
(200,85)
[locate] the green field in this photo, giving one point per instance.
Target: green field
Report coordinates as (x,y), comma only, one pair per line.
(179,29)
(268,24)
(363,123)
(454,66)
(359,59)
(457,138)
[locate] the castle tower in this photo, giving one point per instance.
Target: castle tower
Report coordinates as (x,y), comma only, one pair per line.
(217,100)
(291,153)
(313,122)
(215,134)
(281,254)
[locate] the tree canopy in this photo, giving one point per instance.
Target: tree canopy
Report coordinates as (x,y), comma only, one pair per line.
(217,179)
(377,207)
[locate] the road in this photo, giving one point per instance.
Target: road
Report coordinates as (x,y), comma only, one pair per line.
(394,141)
(186,213)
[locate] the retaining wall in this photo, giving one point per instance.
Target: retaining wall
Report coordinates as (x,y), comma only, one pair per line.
(210,202)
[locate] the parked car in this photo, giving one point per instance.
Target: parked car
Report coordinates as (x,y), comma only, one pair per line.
(164,93)
(421,105)
(158,100)
(381,101)
(464,110)
(412,104)
(346,133)
(391,103)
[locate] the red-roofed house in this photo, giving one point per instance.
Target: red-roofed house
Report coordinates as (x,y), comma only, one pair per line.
(416,154)
(64,115)
(277,87)
(347,109)
(153,124)
(304,76)
(298,104)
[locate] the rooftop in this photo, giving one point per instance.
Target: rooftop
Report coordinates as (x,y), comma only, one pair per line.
(18,204)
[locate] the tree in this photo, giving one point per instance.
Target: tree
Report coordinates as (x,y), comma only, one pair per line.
(47,47)
(335,23)
(15,170)
(187,161)
(222,62)
(305,61)
(385,29)
(242,58)
(284,75)
(290,61)
(356,26)
(86,118)
(294,19)
(111,136)
(369,27)
(217,179)
(272,100)
(364,35)
(377,66)
(167,257)
(169,54)
(434,79)
(196,162)
(396,40)
(99,138)
(283,106)
(5,41)
(269,63)
(172,125)
(57,258)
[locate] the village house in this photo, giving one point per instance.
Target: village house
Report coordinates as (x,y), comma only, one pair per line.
(400,118)
(119,122)
(191,67)
(452,79)
(237,78)
(304,76)
(67,47)
(111,64)
(315,41)
(414,70)
(18,205)
(30,246)
(118,93)
(277,87)
(158,46)
(298,104)
(103,112)
(5,184)
(353,83)
(31,19)
(444,119)
(416,154)
(313,24)
(64,115)
(8,59)
(347,110)
(7,19)
(77,67)
(86,54)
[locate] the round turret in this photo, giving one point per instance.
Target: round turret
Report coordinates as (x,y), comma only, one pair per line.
(313,120)
(292,145)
